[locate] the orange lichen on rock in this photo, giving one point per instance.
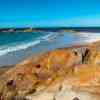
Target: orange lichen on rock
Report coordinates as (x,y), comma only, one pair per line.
(87,75)
(47,69)
(39,70)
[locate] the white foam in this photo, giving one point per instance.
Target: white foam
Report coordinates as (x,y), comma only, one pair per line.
(6,49)
(89,37)
(83,37)
(50,36)
(18,47)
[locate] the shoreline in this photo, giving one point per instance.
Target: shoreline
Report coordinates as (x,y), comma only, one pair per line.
(28,54)
(60,41)
(15,57)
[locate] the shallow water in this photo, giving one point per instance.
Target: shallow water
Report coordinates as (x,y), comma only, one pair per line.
(15,47)
(10,42)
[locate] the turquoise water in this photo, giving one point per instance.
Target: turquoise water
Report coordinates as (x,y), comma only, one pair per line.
(11,38)
(10,42)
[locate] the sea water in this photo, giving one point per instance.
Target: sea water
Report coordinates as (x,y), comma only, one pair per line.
(10,42)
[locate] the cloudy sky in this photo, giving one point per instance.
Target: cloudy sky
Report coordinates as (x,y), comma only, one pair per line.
(41,13)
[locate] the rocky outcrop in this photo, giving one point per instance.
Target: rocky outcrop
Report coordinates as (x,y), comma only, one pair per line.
(60,74)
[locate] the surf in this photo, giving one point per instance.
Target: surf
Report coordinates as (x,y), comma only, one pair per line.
(80,38)
(24,45)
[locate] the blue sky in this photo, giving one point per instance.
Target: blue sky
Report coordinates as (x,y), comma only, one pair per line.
(41,13)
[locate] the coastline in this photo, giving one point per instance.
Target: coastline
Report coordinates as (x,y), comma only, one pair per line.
(15,57)
(22,55)
(60,41)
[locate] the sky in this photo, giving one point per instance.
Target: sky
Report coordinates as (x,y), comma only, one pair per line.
(49,13)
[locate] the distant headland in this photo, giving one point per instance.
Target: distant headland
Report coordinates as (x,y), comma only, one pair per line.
(53,29)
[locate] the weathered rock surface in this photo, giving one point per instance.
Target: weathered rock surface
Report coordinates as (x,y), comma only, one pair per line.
(61,74)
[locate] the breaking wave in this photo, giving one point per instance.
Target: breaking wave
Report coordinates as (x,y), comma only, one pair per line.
(24,45)
(82,37)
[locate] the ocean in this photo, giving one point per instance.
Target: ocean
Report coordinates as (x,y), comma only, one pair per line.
(17,46)
(10,42)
